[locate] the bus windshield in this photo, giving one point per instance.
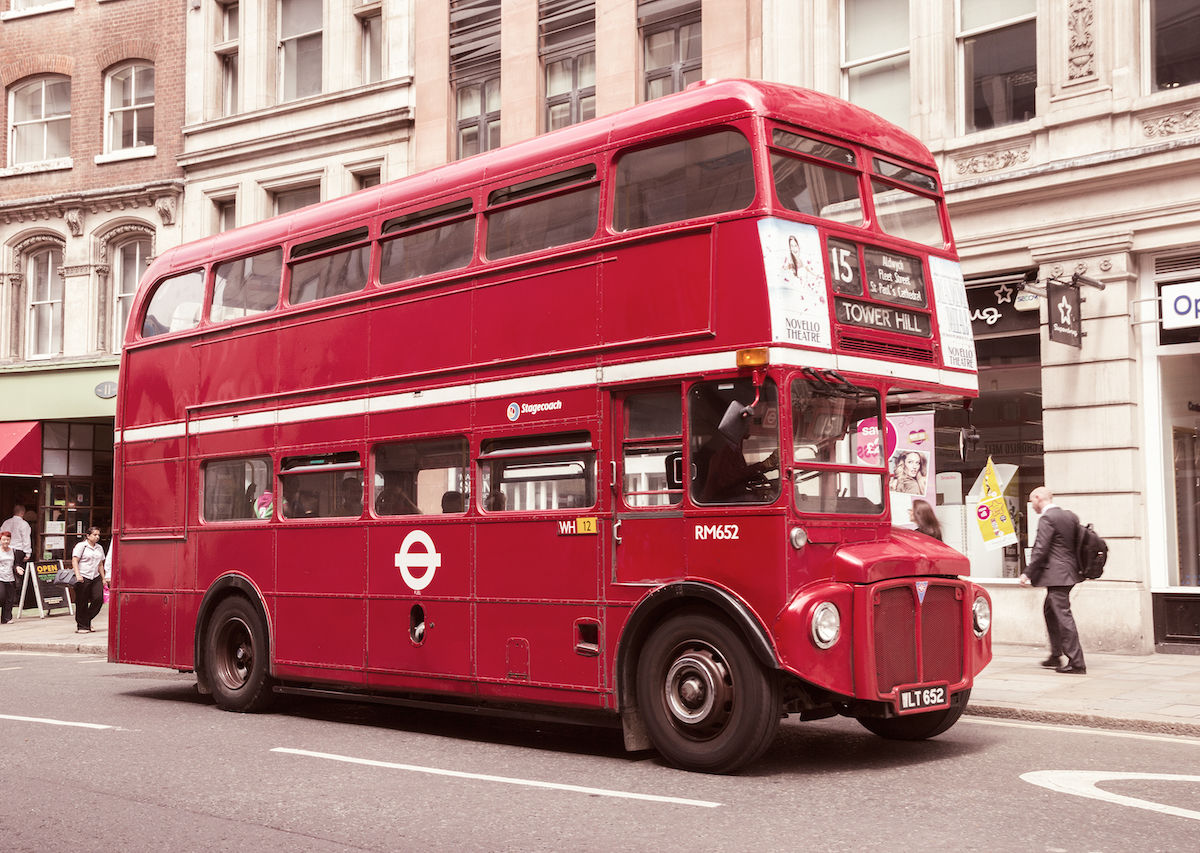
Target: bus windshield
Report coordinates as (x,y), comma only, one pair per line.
(836,446)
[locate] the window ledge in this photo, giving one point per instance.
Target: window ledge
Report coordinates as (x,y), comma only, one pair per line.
(142,152)
(58,165)
(59,6)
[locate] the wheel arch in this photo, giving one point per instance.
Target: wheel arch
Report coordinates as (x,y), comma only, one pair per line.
(651,611)
(221,589)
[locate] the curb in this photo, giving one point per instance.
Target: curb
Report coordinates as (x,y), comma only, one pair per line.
(56,648)
(1091,721)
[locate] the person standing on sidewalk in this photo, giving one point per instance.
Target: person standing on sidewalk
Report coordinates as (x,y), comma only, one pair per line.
(1052,564)
(88,561)
(18,528)
(8,579)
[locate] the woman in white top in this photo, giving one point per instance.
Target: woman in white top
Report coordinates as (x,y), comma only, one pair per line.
(88,561)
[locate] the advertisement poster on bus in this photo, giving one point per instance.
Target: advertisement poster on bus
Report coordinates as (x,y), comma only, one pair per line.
(953,313)
(795,271)
(912,474)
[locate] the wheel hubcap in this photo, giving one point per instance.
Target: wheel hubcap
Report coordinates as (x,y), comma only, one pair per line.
(698,691)
(237,659)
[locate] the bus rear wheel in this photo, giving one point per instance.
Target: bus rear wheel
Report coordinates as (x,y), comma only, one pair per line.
(706,702)
(916,726)
(236,657)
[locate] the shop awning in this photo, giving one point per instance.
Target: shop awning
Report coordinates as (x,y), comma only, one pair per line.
(20,448)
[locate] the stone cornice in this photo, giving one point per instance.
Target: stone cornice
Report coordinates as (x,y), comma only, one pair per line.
(161,196)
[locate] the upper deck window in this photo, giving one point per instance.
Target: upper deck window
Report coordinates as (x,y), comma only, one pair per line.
(681,180)
(432,241)
(332,274)
(903,213)
(814,188)
(563,208)
(175,305)
(246,286)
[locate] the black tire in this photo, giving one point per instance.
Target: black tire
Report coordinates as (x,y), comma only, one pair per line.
(706,702)
(916,726)
(237,657)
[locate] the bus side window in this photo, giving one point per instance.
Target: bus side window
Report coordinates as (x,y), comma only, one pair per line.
(700,176)
(237,488)
(734,448)
(325,486)
(175,305)
(538,473)
(426,248)
(246,286)
(424,477)
(652,451)
(569,215)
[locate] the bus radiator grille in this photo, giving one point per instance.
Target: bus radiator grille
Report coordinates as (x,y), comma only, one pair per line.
(912,652)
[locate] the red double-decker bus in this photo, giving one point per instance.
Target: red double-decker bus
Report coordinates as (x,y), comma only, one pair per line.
(589,423)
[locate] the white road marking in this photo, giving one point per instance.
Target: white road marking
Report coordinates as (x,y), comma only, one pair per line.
(532,783)
(50,722)
(10,668)
(1083,730)
(1082,783)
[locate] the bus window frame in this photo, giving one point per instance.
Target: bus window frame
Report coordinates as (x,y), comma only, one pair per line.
(522,197)
(370,240)
(426,216)
(527,447)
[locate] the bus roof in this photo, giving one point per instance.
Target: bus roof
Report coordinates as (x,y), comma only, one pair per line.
(700,104)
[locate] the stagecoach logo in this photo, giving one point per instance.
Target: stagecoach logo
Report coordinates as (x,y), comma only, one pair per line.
(922,586)
(425,557)
(515,410)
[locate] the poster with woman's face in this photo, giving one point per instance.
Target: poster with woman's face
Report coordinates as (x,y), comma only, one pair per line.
(796,288)
(910,463)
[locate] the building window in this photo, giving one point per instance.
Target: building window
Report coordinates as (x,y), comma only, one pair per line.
(370,23)
(129,262)
(567,30)
(670,45)
(226,210)
(998,51)
(300,48)
(40,123)
(285,201)
(226,50)
(1175,52)
(475,74)
(478,116)
(875,57)
(130,107)
(44,284)
(367,178)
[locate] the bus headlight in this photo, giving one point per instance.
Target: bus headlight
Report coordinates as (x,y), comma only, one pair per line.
(981,615)
(826,624)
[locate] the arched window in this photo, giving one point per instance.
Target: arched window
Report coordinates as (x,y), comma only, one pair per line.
(129,107)
(129,262)
(40,120)
(44,284)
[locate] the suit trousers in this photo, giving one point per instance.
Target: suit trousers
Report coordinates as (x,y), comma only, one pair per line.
(1060,625)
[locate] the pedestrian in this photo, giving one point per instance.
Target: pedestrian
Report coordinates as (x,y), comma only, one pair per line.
(1052,564)
(18,528)
(88,561)
(925,519)
(8,577)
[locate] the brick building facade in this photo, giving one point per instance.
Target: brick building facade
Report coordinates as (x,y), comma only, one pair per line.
(90,189)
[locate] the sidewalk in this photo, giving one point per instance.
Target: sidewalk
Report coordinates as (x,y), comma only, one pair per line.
(1147,693)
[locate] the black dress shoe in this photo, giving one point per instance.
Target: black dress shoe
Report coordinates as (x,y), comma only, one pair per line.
(1073,670)
(1052,661)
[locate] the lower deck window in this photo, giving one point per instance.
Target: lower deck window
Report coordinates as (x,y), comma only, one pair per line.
(327,486)
(427,477)
(237,489)
(538,473)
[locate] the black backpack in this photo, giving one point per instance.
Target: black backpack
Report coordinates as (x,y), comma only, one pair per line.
(1091,552)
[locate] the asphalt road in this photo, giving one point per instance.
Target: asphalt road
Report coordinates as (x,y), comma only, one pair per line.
(100,756)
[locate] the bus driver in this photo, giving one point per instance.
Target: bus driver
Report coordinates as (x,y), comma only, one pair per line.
(728,477)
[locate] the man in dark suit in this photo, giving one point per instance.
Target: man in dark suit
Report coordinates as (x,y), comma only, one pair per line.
(1052,564)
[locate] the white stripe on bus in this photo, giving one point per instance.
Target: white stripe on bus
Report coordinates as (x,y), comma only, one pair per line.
(546,382)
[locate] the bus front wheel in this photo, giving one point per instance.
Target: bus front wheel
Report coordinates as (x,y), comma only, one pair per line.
(916,726)
(706,702)
(236,658)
